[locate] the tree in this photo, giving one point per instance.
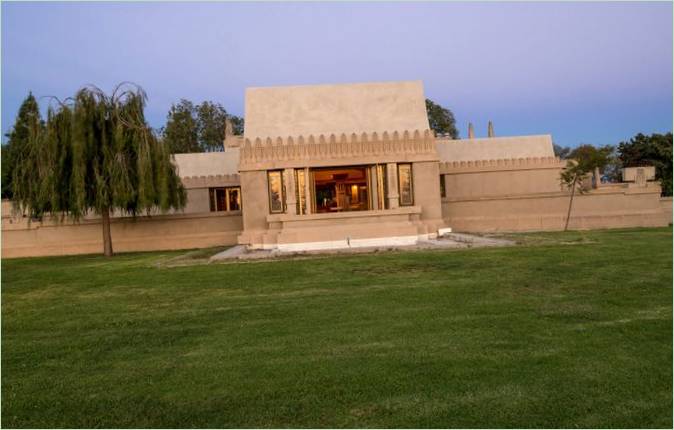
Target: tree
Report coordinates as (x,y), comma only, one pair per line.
(583,161)
(654,150)
(238,124)
(198,128)
(211,125)
(561,151)
(96,153)
(28,117)
(180,133)
(441,120)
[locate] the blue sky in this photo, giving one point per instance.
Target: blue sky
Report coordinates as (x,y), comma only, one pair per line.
(584,72)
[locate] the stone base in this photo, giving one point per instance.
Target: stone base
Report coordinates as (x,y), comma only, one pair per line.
(355,243)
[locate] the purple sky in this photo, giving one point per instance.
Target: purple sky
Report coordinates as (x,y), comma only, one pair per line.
(584,72)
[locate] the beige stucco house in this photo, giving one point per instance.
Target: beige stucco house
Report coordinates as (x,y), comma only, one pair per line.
(328,166)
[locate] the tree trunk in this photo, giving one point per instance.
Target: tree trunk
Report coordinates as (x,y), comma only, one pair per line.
(568,214)
(107,238)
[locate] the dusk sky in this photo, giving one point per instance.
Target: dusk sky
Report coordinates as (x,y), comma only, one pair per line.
(584,72)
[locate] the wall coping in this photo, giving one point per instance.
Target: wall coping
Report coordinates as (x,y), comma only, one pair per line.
(528,163)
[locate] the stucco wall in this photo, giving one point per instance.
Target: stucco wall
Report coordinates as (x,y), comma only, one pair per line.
(529,199)
(341,108)
(666,204)
(503,183)
(494,148)
(141,234)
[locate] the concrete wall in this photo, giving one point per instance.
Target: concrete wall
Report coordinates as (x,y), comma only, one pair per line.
(193,227)
(340,108)
(20,239)
(527,196)
(666,204)
(494,148)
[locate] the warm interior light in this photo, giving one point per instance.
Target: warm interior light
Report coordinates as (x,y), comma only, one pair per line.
(354,193)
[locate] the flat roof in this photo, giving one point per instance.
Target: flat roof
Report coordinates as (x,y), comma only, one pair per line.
(337,108)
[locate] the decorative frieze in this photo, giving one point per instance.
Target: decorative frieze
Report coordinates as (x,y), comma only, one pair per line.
(317,150)
(502,164)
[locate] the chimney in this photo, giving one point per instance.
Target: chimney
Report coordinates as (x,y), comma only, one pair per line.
(490,129)
(471,131)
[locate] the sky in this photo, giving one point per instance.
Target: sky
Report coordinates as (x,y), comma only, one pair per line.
(584,72)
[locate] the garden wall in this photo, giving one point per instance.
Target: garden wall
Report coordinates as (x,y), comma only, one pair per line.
(526,195)
(21,238)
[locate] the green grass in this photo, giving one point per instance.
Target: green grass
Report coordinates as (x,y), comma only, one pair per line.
(566,330)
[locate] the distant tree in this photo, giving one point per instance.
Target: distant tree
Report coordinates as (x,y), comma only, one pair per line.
(561,151)
(198,128)
(27,119)
(441,120)
(238,124)
(211,125)
(654,150)
(583,161)
(181,131)
(96,153)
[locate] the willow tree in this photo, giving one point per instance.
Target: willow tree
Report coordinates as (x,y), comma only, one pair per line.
(97,154)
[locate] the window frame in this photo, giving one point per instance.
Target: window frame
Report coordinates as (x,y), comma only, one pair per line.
(443,187)
(400,192)
(281,192)
(213,201)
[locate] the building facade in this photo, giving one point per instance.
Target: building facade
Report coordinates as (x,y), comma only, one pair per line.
(329,166)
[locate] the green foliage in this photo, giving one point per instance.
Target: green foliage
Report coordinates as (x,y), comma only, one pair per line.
(96,153)
(441,120)
(211,124)
(582,162)
(561,151)
(180,132)
(198,128)
(237,125)
(27,121)
(654,150)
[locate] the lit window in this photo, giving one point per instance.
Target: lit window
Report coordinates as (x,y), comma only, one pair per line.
(382,186)
(225,199)
(300,191)
(405,184)
(276,200)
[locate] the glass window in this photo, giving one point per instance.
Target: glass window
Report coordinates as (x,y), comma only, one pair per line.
(405,184)
(300,191)
(276,200)
(234,199)
(225,199)
(443,192)
(381,186)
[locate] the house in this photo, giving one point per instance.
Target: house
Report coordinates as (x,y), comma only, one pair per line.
(328,166)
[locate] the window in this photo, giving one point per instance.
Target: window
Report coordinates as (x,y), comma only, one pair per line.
(381,186)
(300,191)
(405,184)
(276,199)
(443,191)
(225,199)
(341,189)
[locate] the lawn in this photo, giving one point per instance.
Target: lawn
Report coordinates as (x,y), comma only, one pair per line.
(567,330)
